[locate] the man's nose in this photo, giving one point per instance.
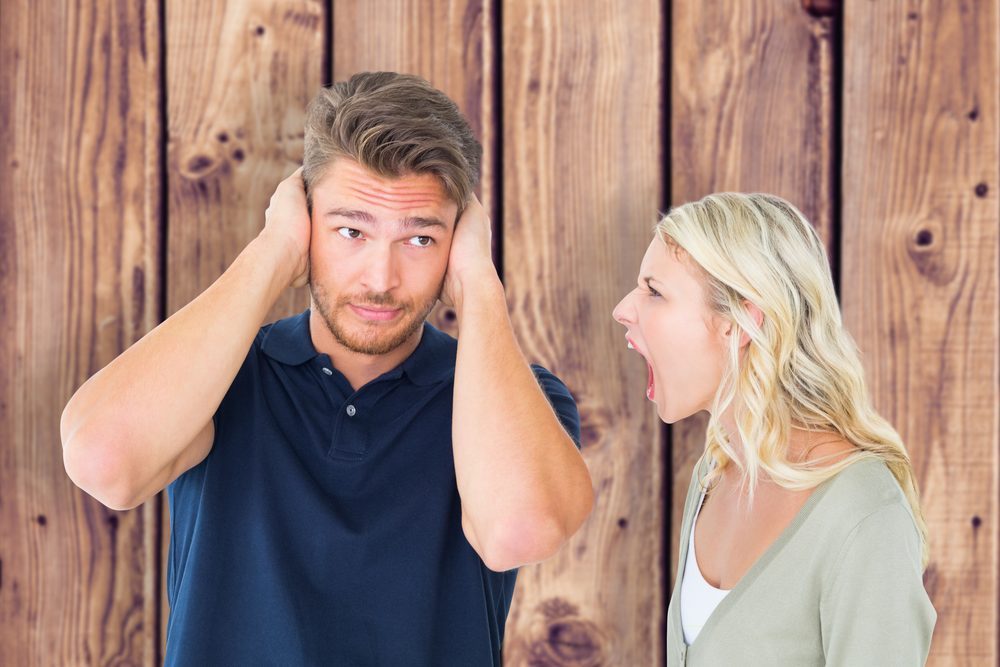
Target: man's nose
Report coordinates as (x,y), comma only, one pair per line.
(381,273)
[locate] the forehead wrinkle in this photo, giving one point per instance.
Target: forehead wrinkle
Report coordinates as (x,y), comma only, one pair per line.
(429,187)
(408,193)
(397,203)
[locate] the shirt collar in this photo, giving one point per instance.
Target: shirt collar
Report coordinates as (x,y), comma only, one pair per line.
(289,342)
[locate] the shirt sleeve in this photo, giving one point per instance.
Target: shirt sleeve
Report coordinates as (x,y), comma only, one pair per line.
(561,400)
(875,610)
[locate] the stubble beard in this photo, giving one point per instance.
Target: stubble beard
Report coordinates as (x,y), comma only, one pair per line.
(373,341)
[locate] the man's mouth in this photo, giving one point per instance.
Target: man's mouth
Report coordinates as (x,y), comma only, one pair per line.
(375,313)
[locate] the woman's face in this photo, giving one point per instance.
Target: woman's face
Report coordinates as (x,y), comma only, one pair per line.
(668,322)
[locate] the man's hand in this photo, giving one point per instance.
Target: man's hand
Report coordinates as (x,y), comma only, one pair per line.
(287,225)
(470,261)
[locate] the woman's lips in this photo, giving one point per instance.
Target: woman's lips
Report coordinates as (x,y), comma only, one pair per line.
(375,314)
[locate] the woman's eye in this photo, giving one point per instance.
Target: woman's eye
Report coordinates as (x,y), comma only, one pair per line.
(421,241)
(653,292)
(349,233)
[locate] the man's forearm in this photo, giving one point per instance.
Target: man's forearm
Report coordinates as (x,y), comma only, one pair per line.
(524,485)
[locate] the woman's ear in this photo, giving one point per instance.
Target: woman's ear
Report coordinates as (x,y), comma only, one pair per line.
(758,317)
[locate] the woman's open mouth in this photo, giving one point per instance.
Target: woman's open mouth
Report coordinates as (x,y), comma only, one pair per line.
(650,382)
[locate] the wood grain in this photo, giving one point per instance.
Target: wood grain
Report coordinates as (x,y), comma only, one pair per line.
(239,77)
(751,111)
(447,42)
(79,282)
(583,174)
(920,229)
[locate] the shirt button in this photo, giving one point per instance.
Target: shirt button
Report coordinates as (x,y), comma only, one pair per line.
(351,411)
(327,371)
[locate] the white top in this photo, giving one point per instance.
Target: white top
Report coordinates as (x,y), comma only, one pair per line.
(698,597)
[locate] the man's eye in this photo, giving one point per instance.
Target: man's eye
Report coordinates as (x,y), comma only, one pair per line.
(349,233)
(421,241)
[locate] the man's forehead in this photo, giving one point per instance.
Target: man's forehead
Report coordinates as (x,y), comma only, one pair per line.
(347,177)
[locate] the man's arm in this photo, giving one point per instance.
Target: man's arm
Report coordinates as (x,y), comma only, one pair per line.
(146,417)
(524,486)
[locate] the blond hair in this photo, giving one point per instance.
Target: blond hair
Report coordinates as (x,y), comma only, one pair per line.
(801,368)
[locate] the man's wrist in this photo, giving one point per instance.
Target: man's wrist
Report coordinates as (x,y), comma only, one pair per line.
(279,257)
(479,288)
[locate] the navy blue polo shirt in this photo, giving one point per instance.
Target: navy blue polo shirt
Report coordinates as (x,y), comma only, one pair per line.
(324,527)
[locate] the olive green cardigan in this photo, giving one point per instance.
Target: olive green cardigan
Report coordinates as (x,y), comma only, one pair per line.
(842,585)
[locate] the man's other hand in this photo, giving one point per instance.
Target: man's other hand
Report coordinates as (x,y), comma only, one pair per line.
(470,261)
(287,225)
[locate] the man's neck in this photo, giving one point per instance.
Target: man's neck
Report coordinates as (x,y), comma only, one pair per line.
(358,368)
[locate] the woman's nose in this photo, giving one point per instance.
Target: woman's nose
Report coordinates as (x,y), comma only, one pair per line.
(622,312)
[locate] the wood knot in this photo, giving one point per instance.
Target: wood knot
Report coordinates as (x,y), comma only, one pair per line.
(199,163)
(566,639)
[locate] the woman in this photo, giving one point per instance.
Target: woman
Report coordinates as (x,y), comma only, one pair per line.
(803,541)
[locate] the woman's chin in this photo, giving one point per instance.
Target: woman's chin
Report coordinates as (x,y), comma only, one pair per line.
(669,416)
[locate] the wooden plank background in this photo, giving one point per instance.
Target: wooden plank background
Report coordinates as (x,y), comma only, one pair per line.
(80,222)
(920,238)
(583,161)
(141,142)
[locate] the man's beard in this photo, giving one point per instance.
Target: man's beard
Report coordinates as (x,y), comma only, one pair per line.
(374,341)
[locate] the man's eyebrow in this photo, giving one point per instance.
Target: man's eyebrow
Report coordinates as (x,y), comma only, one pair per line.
(363,216)
(421,223)
(409,222)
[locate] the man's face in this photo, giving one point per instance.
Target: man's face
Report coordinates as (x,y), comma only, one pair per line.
(378,253)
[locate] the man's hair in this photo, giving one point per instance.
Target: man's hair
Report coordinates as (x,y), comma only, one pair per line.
(394,125)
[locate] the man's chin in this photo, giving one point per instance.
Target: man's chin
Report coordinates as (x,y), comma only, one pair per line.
(373,338)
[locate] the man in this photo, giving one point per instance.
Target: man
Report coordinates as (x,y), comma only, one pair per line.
(347,486)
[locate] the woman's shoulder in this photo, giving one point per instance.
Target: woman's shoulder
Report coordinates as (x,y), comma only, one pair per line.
(866,485)
(864,491)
